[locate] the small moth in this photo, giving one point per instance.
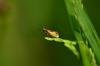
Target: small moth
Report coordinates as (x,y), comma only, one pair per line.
(51,33)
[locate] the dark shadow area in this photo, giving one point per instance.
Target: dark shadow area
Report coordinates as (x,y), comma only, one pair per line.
(61,55)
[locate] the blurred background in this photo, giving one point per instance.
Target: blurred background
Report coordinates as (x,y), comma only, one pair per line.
(22,40)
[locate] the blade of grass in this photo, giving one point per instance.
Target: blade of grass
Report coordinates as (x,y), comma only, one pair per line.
(81,23)
(67,43)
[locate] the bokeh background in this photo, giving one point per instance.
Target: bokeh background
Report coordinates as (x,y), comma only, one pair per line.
(22,40)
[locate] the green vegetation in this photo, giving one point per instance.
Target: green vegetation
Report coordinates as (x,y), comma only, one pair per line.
(84,32)
(22,40)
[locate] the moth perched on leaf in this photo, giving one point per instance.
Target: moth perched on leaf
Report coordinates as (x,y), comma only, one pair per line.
(51,33)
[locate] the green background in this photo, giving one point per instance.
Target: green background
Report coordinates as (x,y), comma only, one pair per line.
(22,40)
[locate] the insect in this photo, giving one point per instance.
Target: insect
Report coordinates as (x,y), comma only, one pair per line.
(51,33)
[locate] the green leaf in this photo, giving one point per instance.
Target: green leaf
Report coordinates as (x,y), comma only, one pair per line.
(67,43)
(81,24)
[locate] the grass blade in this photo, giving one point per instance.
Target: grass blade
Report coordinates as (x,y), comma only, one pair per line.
(81,24)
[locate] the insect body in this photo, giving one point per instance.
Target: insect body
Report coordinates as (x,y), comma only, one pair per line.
(51,33)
